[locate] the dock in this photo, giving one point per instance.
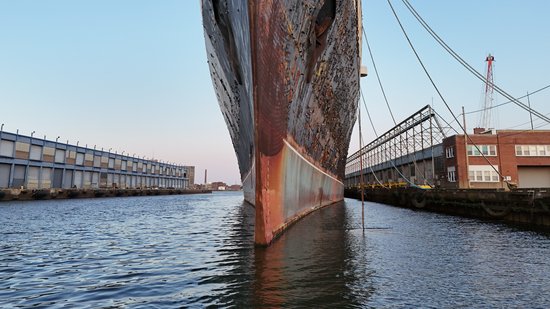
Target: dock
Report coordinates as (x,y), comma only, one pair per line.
(31,164)
(49,194)
(528,208)
(491,174)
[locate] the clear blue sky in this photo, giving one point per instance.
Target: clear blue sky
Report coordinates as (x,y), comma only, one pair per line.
(132,74)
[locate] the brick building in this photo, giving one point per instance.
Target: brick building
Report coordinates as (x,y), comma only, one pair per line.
(522,157)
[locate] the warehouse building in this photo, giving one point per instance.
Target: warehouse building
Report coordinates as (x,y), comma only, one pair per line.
(503,159)
(408,154)
(34,163)
(522,157)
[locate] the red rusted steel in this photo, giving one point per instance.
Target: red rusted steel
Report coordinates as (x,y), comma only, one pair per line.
(286,75)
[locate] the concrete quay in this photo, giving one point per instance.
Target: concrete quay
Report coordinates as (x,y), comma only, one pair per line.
(529,208)
(47,194)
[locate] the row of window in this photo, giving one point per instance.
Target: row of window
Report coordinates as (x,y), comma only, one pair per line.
(483,173)
(533,150)
(37,153)
(486,150)
(491,150)
(43,178)
(476,173)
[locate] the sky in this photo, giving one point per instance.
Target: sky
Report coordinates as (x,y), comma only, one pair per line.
(132,74)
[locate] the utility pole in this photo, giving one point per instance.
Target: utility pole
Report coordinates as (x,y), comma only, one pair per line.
(361,171)
(465,149)
(530,113)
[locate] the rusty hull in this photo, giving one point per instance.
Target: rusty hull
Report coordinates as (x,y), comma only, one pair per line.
(289,73)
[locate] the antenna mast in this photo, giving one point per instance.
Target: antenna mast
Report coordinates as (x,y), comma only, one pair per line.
(485,121)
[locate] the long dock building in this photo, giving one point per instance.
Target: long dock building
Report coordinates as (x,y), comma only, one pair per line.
(34,163)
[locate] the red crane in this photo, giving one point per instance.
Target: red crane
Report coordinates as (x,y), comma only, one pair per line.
(485,120)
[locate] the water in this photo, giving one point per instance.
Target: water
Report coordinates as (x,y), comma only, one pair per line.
(197,250)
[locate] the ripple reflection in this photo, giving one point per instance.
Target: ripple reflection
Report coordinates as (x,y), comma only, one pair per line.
(178,251)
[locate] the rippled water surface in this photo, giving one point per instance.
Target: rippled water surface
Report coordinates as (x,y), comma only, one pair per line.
(197,250)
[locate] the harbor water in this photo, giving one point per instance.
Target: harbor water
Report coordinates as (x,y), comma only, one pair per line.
(197,250)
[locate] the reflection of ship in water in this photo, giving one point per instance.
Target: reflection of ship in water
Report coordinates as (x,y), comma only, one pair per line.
(286,74)
(314,262)
(316,256)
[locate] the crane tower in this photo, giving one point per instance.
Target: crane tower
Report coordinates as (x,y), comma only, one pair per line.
(485,120)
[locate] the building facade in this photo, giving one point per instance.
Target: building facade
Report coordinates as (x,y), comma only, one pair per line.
(419,168)
(190,175)
(518,157)
(34,163)
(409,154)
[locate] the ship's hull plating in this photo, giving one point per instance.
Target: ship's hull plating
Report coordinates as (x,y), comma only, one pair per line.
(286,74)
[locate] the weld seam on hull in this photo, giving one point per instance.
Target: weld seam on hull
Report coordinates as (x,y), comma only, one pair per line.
(315,167)
(249,172)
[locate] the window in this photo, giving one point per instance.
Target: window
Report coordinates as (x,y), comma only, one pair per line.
(80,158)
(533,150)
(450,152)
(451,174)
(36,153)
(6,148)
(18,176)
(59,156)
(482,173)
(97,161)
(487,176)
(111,163)
(479,175)
(486,150)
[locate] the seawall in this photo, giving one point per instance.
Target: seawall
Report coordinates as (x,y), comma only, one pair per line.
(46,194)
(529,208)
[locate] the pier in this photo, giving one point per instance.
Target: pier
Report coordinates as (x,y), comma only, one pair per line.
(499,175)
(527,208)
(50,194)
(33,167)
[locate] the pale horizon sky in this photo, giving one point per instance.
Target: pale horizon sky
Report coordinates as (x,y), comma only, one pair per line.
(132,74)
